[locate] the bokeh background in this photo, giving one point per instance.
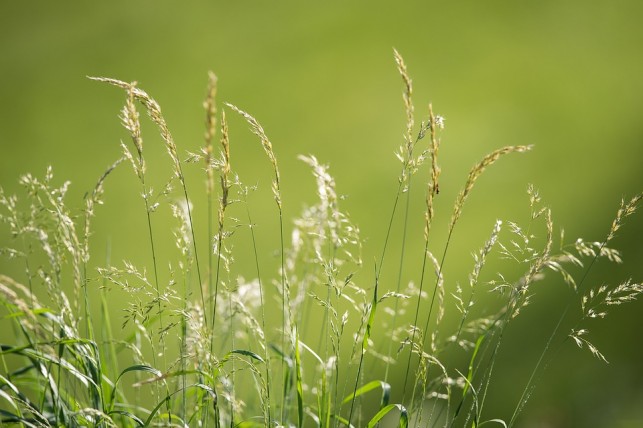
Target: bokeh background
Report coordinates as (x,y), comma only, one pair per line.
(565,76)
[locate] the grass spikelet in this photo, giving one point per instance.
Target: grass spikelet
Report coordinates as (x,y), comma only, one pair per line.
(479,262)
(624,211)
(577,335)
(257,129)
(225,169)
(475,173)
(433,187)
(130,120)
(407,149)
(327,197)
(210,131)
(210,117)
(596,303)
(154,112)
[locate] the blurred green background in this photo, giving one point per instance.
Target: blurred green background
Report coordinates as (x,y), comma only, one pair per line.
(565,76)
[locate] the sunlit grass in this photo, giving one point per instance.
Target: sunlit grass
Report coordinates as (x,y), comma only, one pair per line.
(221,347)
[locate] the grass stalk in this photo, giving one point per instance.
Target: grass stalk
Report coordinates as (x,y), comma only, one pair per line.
(255,252)
(257,129)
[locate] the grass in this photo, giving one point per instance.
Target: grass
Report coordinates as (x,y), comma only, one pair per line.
(199,345)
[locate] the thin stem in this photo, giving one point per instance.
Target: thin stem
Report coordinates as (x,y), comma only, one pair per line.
(267,415)
(399,279)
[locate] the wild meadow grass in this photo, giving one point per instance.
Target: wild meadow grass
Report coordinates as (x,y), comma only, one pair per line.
(202,344)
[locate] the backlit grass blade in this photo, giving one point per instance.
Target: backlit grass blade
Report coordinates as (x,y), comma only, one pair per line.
(167,398)
(129,415)
(367,335)
(10,418)
(300,391)
(135,368)
(404,417)
(244,353)
(386,392)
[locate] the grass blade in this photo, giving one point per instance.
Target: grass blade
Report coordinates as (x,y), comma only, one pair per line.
(404,417)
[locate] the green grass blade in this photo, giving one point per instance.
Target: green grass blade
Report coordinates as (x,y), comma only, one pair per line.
(134,368)
(367,335)
(10,418)
(473,357)
(344,421)
(244,353)
(129,415)
(386,391)
(9,399)
(165,400)
(404,417)
(498,421)
(300,390)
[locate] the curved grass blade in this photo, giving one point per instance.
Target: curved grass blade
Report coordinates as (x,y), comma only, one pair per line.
(206,388)
(466,388)
(367,335)
(343,421)
(29,352)
(9,417)
(300,390)
(127,414)
(498,421)
(134,368)
(244,353)
(9,400)
(404,417)
(386,392)
(177,373)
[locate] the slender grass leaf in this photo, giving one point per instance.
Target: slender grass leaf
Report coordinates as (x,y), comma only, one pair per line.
(343,420)
(19,314)
(386,391)
(174,374)
(313,353)
(249,424)
(9,399)
(404,417)
(498,421)
(134,368)
(129,415)
(206,388)
(471,365)
(300,391)
(140,368)
(29,352)
(8,417)
(283,356)
(244,353)
(8,383)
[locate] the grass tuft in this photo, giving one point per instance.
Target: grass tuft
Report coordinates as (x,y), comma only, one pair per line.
(341,347)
